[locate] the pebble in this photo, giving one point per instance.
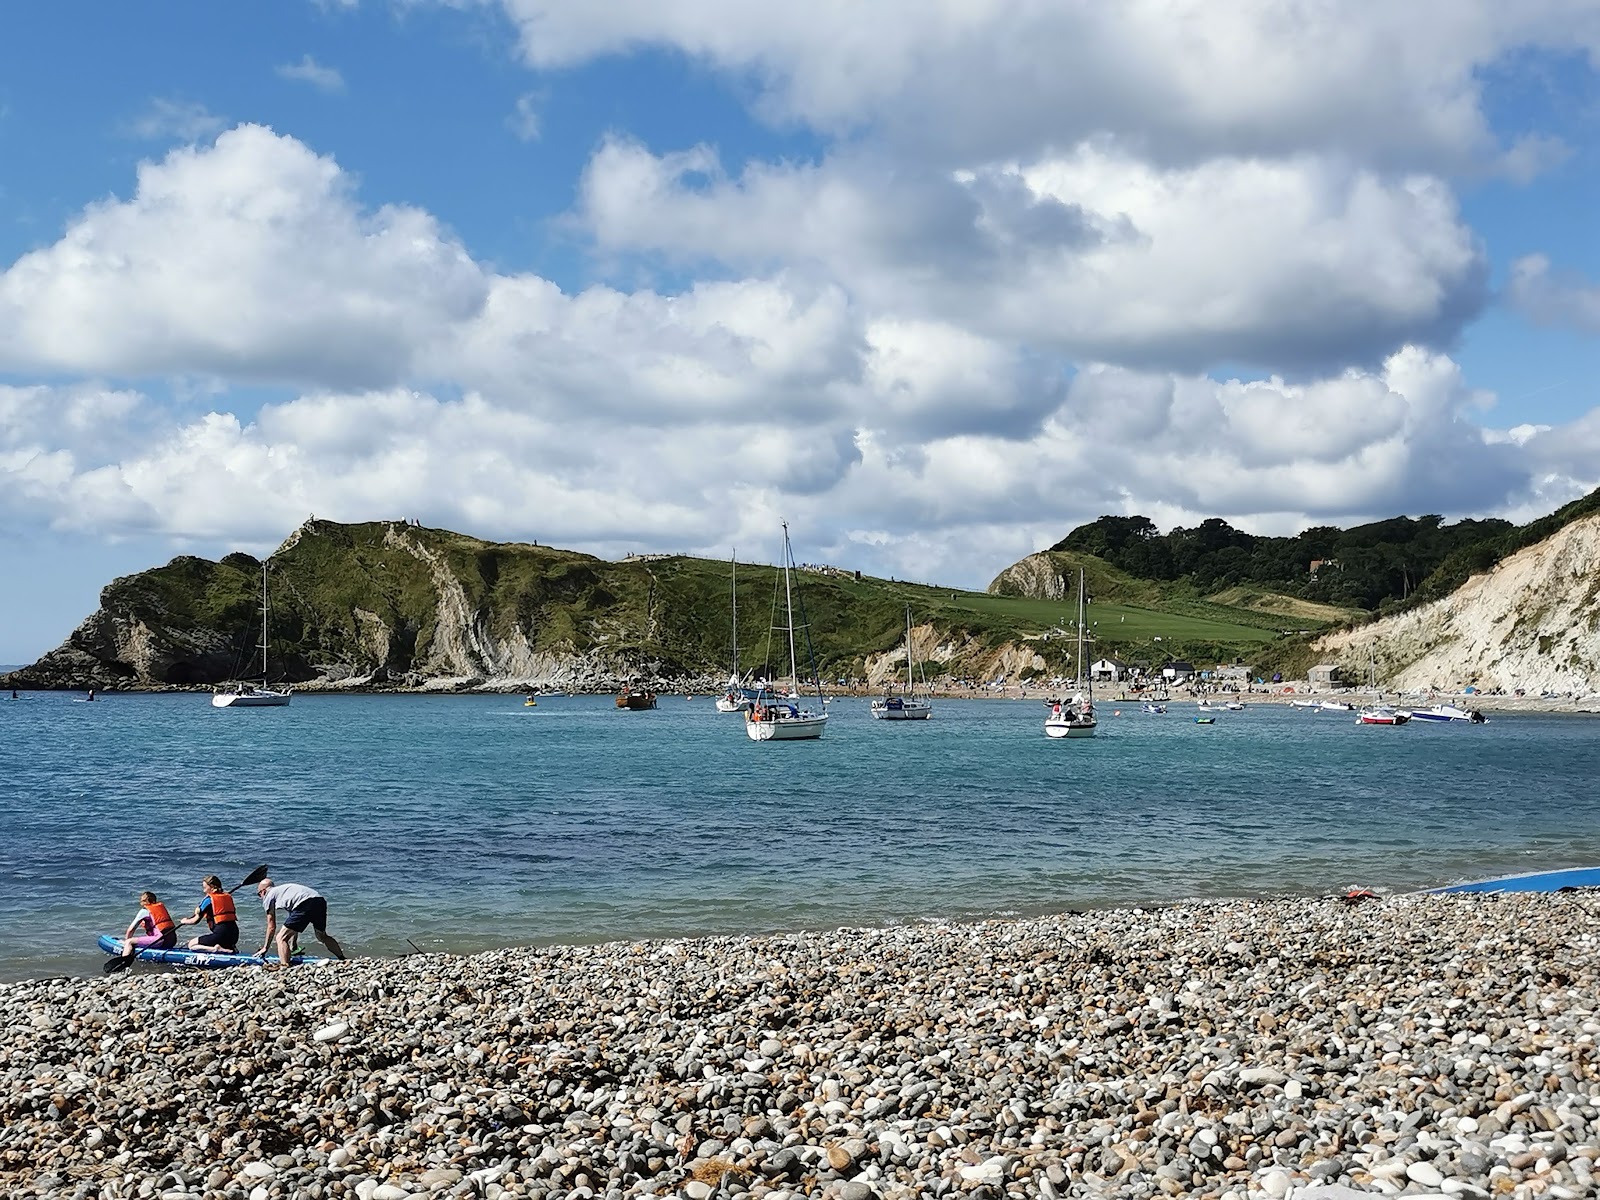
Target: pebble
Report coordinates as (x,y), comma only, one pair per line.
(1287,1048)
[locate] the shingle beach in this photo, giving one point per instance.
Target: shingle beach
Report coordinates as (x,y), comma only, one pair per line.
(1425,1045)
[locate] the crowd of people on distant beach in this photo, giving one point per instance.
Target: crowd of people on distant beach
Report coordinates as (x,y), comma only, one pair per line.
(290,909)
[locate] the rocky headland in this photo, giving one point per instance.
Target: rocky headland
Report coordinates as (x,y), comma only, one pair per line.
(1415,1045)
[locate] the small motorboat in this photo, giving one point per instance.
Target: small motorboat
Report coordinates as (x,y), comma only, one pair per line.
(1205,720)
(1448,712)
(1382,714)
(530,702)
(1234,706)
(1158,709)
(1336,706)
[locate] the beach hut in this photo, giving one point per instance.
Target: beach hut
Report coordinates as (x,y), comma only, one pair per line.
(1325,675)
(1106,670)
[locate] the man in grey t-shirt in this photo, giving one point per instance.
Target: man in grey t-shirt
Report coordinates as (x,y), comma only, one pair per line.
(294,906)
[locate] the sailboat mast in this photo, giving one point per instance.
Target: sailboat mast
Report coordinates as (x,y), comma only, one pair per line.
(1090,683)
(263,624)
(788,604)
(909,683)
(734,563)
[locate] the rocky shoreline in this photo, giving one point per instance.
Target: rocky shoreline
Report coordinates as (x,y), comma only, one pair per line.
(1425,1045)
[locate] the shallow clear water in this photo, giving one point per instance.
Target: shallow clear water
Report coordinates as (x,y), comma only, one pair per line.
(462,822)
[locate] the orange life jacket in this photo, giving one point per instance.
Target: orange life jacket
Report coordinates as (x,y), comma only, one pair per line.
(221,909)
(160,917)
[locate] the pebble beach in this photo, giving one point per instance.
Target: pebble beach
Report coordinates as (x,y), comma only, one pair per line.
(1410,1045)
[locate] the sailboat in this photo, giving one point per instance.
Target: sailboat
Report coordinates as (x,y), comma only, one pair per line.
(738,697)
(247,695)
(1074,718)
(773,717)
(907,707)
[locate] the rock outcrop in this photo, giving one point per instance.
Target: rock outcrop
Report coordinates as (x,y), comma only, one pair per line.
(1533,622)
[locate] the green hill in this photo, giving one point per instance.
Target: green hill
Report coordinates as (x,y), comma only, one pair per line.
(393,605)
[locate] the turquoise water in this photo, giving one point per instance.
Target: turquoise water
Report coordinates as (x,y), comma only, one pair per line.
(464,822)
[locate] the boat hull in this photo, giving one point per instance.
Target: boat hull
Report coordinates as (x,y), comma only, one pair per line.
(901,710)
(1069,728)
(806,726)
(182,957)
(255,698)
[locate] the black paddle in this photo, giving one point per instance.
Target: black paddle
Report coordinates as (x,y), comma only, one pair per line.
(113,965)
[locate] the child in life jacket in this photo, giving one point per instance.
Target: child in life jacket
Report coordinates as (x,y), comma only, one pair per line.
(222,919)
(160,931)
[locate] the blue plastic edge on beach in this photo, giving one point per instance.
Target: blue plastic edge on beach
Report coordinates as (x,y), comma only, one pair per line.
(1534,881)
(200,958)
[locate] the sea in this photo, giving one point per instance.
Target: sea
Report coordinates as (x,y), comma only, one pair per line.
(460,823)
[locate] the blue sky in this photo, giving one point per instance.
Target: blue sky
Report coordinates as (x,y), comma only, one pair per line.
(934,285)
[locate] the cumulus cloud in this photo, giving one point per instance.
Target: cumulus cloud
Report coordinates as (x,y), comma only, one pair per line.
(1396,85)
(952,507)
(308,70)
(248,259)
(1292,263)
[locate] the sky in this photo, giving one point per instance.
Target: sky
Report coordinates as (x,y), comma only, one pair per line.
(932,280)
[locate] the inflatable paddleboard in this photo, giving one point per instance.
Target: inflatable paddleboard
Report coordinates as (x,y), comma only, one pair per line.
(1534,881)
(202,958)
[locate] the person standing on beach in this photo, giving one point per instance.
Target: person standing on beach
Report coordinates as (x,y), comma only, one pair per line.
(295,906)
(159,930)
(217,911)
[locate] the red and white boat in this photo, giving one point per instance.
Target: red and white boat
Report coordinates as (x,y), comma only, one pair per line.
(1382,714)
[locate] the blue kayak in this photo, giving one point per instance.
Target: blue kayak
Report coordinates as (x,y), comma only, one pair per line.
(1534,881)
(201,958)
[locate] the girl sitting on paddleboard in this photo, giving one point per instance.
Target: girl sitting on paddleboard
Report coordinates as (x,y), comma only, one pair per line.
(217,911)
(160,930)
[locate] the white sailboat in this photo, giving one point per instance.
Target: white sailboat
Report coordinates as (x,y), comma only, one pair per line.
(738,698)
(247,695)
(1074,718)
(909,706)
(775,718)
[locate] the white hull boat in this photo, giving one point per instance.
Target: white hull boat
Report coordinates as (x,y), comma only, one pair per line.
(774,718)
(1447,712)
(253,697)
(907,707)
(248,695)
(1074,718)
(1069,723)
(901,708)
(780,721)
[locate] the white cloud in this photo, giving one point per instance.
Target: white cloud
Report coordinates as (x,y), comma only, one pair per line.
(248,259)
(991,79)
(1092,254)
(1547,298)
(183,119)
(525,121)
(953,507)
(309,70)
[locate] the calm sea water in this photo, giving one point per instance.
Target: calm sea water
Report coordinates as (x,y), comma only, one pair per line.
(465,822)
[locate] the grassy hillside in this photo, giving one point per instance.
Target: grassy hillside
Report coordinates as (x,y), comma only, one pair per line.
(394,600)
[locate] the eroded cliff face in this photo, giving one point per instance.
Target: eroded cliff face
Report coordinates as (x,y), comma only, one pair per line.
(110,649)
(1039,576)
(935,654)
(1533,623)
